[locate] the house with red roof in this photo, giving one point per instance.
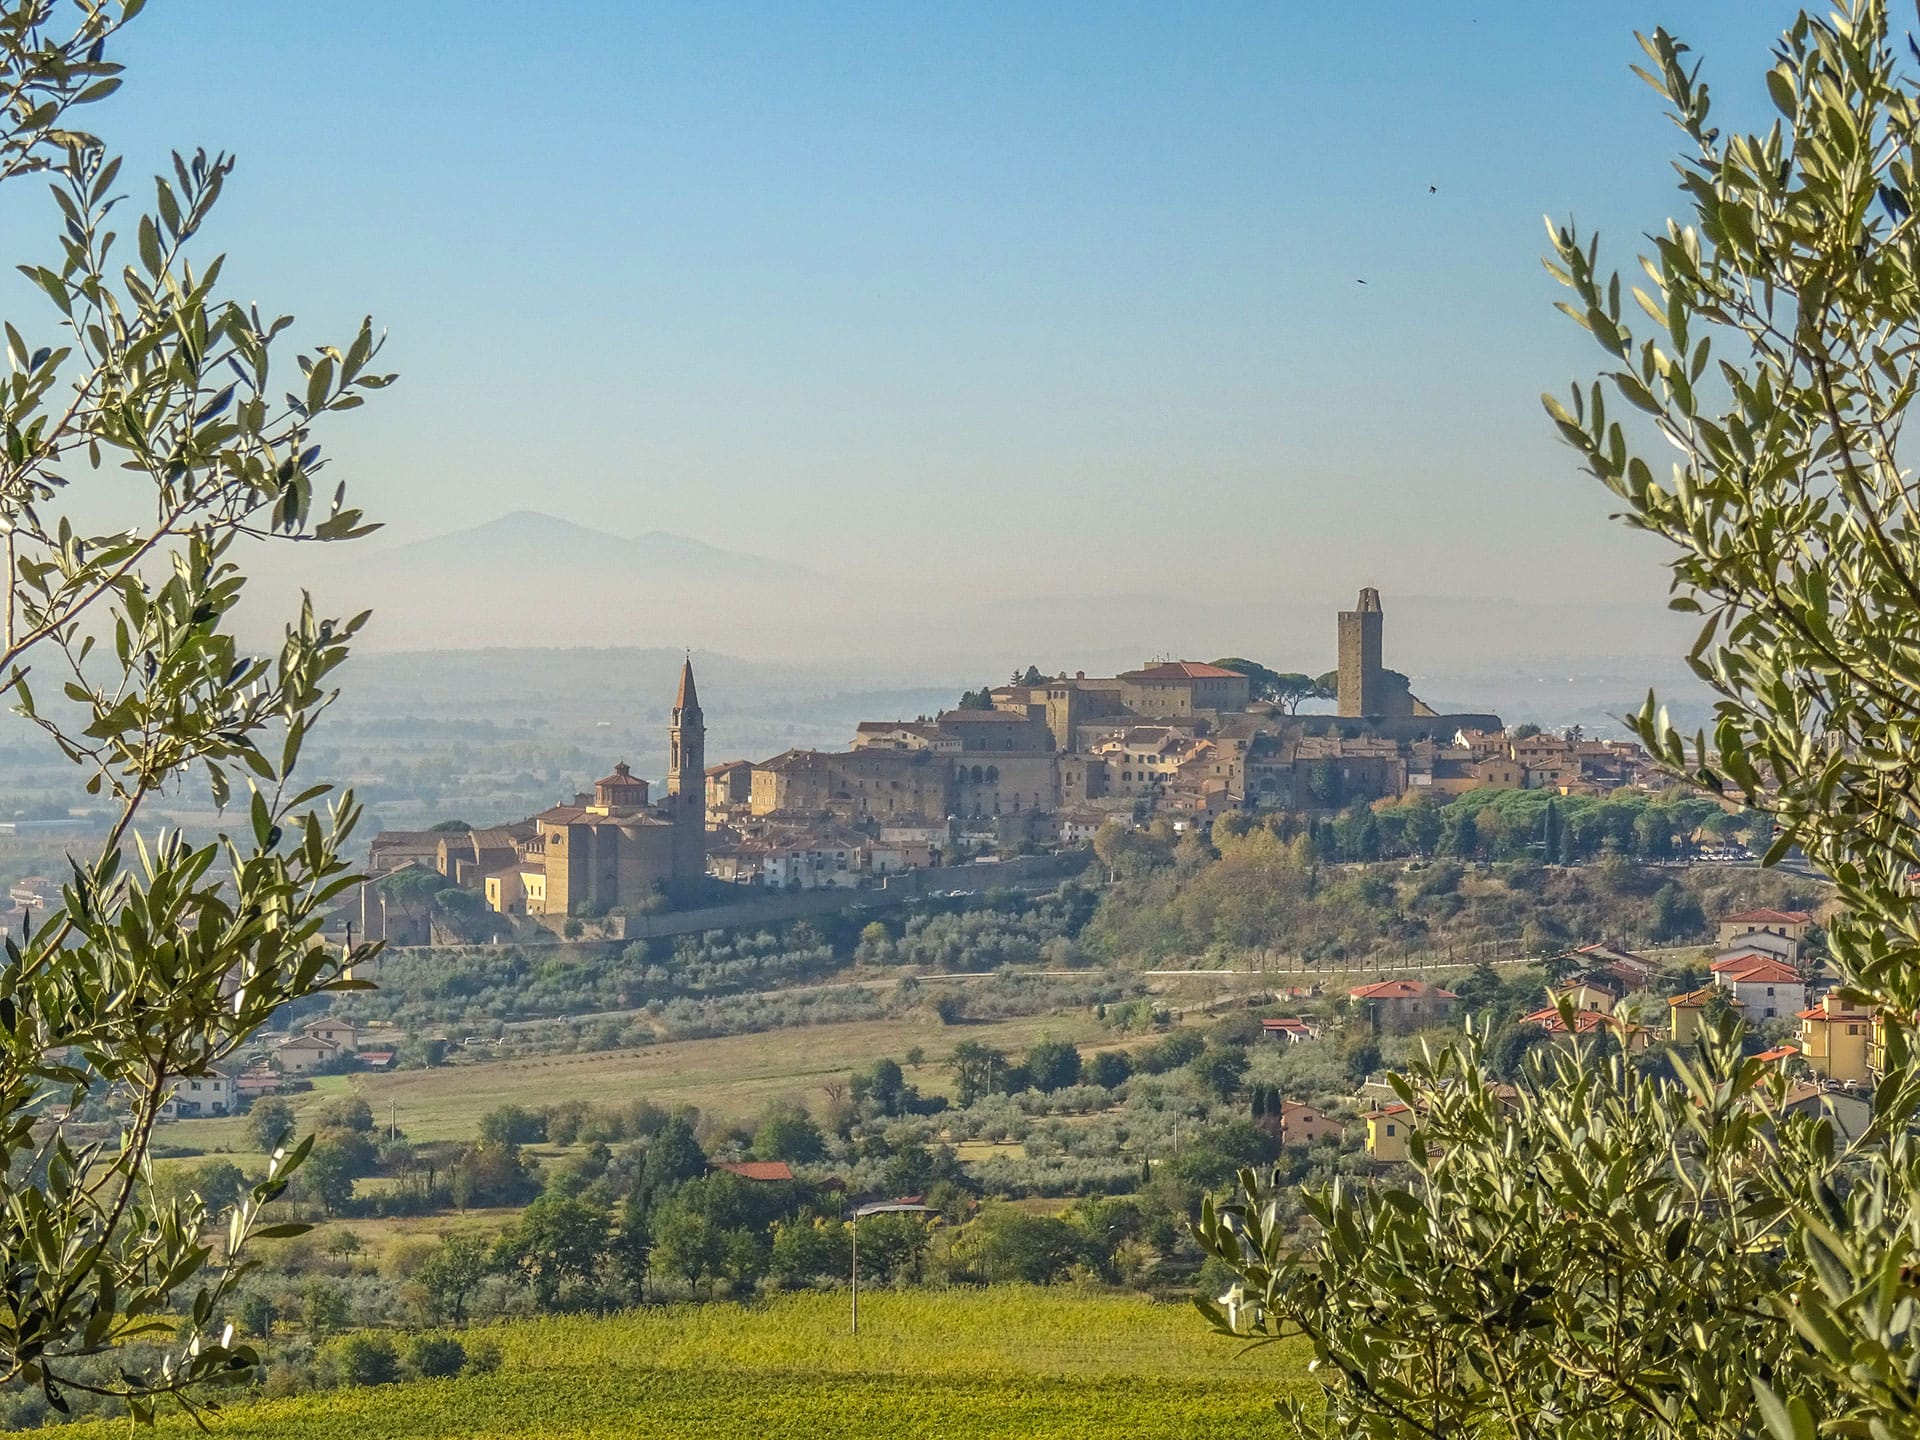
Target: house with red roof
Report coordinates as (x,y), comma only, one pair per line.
(1302,1124)
(1837,1039)
(1402,1006)
(1766,988)
(1387,1131)
(1589,1023)
(1685,1011)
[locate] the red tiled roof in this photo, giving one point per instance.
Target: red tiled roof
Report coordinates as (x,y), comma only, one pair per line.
(1401,990)
(1783,1052)
(1764,972)
(1820,1012)
(1769,917)
(1289,1022)
(1694,999)
(1740,961)
(1584,1021)
(757,1169)
(621,776)
(1182,670)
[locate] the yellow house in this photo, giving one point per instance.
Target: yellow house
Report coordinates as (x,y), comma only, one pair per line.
(1587,995)
(1787,924)
(1687,1009)
(1836,1039)
(517,890)
(1387,1131)
(506,892)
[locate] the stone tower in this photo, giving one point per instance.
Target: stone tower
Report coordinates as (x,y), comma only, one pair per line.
(687,778)
(1362,687)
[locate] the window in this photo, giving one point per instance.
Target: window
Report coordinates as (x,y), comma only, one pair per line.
(1853,1029)
(1390,1130)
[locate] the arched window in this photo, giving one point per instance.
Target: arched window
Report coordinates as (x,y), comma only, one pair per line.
(993,774)
(978,775)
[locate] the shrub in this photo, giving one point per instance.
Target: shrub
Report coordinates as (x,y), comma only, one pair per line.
(483,1356)
(433,1357)
(363,1358)
(1109,1069)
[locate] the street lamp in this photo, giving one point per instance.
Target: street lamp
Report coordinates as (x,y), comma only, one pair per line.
(860,1212)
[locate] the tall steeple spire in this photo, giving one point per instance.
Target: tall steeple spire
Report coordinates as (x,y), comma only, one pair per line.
(687,751)
(688,698)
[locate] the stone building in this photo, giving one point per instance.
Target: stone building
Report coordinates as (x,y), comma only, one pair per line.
(1361,688)
(613,849)
(1182,687)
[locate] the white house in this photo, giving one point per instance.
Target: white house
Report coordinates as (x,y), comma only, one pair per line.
(1768,989)
(815,863)
(197,1096)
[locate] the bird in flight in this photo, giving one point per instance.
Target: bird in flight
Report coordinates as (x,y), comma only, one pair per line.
(1359,282)
(1433,189)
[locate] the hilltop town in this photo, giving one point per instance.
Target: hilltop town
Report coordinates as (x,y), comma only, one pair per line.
(1039,765)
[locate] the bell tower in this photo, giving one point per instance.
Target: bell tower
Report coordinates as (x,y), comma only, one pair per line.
(687,767)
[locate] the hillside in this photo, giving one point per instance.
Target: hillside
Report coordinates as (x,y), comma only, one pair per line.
(1035,1364)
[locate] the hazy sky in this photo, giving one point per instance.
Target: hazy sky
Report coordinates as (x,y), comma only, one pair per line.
(1056,296)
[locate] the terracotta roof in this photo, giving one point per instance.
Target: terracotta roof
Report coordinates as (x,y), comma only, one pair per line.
(1820,1012)
(1397,1107)
(1740,961)
(729,765)
(1768,917)
(978,717)
(757,1169)
(1764,972)
(621,776)
(1401,990)
(1783,1052)
(299,1041)
(1182,670)
(1694,999)
(1584,1021)
(1287,1022)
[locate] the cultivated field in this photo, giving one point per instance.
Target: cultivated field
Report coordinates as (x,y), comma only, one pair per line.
(1007,1362)
(730,1076)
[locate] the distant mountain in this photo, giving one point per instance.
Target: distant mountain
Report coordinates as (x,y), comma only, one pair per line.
(534,580)
(531,538)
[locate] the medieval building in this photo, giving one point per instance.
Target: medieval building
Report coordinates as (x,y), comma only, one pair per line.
(615,848)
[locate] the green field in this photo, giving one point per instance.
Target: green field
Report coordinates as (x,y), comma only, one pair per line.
(733,1076)
(1012,1362)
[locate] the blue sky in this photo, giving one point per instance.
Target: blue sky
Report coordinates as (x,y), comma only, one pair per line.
(1044,296)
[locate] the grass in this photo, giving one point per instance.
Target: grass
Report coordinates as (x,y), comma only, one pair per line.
(733,1076)
(1004,1362)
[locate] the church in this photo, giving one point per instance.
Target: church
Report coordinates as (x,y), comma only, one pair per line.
(615,848)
